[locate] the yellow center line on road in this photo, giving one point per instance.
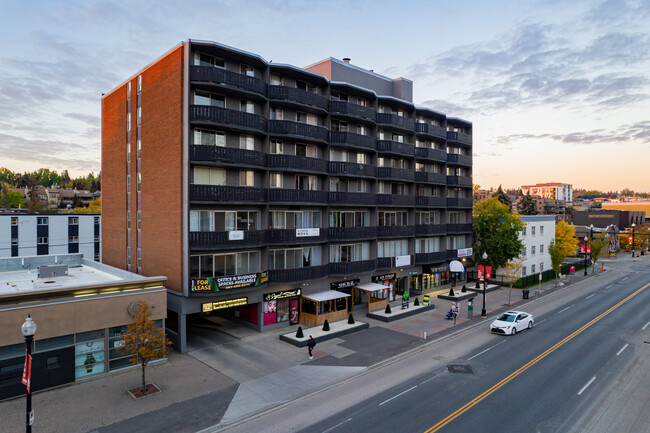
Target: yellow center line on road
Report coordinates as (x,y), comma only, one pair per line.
(526,366)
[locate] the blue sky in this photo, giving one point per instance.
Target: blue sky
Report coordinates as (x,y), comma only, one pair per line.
(557,91)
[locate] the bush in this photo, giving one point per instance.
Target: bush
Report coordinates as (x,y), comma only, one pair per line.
(326,326)
(451,291)
(351,319)
(478,285)
(416,303)
(464,289)
(387,311)
(299,334)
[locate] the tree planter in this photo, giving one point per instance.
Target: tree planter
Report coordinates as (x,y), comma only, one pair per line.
(137,392)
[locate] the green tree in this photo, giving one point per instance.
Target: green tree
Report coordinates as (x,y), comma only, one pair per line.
(10,199)
(527,206)
(597,243)
(7,176)
(565,239)
(65,177)
(34,203)
(76,201)
(95,206)
(557,257)
(496,232)
(503,198)
(627,192)
(513,271)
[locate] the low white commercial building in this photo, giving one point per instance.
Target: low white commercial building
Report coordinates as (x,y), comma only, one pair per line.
(537,234)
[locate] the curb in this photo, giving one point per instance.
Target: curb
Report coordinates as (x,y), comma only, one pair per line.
(400,315)
(302,343)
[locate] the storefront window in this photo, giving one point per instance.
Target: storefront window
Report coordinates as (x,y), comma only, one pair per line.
(117,359)
(270,312)
(89,354)
(308,306)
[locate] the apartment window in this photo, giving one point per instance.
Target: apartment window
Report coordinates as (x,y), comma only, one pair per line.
(294,219)
(523,271)
(541,267)
(96,220)
(128,183)
(277,113)
(306,150)
(139,182)
(427,245)
(42,221)
(201,59)
(97,238)
(349,253)
(362,130)
(392,248)
(128,90)
(128,152)
(246,178)
(139,84)
(532,231)
(96,257)
(523,252)
(523,232)
(14,242)
(541,230)
(294,258)
(359,186)
(276,147)
(139,220)
(139,148)
(139,259)
(247,142)
(532,250)
(349,219)
(276,80)
(73,239)
(230,264)
(362,102)
(427,217)
(14,221)
(398,137)
(128,255)
(206,137)
(247,70)
(209,99)
(73,221)
(128,219)
(532,269)
(128,121)
(42,241)
(139,116)
(310,119)
(209,176)
(305,182)
(337,96)
(339,126)
(394,218)
(276,180)
(247,106)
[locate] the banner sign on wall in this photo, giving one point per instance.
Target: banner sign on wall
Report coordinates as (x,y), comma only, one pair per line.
(211,306)
(228,283)
(403,261)
(344,284)
(385,277)
(303,233)
(281,295)
(465,252)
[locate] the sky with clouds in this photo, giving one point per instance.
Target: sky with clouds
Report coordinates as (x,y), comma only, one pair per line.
(557,91)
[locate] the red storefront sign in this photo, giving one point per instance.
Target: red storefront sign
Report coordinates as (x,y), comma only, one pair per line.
(27,372)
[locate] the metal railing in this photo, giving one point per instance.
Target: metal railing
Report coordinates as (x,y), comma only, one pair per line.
(365,141)
(230,155)
(226,116)
(288,127)
(292,94)
(297,162)
(227,193)
(350,109)
(213,74)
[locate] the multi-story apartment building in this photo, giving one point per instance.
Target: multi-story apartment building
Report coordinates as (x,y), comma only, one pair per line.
(28,234)
(537,234)
(554,190)
(245,182)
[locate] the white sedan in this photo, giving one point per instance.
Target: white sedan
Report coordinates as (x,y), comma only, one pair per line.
(512,321)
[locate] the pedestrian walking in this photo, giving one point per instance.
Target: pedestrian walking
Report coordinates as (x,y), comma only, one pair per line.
(311,343)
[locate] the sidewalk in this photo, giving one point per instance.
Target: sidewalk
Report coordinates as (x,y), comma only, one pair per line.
(248,374)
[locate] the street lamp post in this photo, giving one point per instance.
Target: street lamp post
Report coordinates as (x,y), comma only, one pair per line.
(28,329)
(591,238)
(483,312)
(585,254)
(633,225)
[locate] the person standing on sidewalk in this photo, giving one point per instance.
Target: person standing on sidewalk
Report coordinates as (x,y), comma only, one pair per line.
(311,343)
(456,311)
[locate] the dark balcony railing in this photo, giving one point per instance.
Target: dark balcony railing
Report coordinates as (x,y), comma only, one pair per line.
(351,169)
(431,130)
(350,138)
(226,116)
(428,177)
(279,236)
(351,233)
(428,258)
(358,198)
(459,137)
(220,239)
(292,94)
(459,202)
(432,154)
(454,158)
(297,274)
(395,147)
(297,195)
(430,229)
(229,78)
(349,109)
(430,201)
(349,268)
(297,162)
(287,127)
(395,200)
(395,120)
(459,180)
(385,262)
(459,228)
(395,231)
(230,155)
(227,193)
(395,173)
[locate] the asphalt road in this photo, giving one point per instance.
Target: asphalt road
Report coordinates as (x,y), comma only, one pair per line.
(539,380)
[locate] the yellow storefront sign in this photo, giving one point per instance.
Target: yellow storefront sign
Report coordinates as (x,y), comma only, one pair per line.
(211,306)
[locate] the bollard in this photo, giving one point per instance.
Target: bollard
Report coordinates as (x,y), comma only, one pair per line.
(424,335)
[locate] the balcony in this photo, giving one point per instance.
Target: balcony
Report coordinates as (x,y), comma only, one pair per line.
(384,262)
(211,74)
(395,231)
(353,198)
(301,163)
(297,196)
(396,121)
(459,228)
(459,181)
(459,137)
(212,240)
(430,229)
(459,202)
(302,130)
(428,177)
(430,201)
(351,233)
(282,236)
(351,139)
(298,274)
(352,110)
(299,96)
(209,193)
(395,173)
(431,154)
(429,258)
(431,130)
(351,169)
(395,200)
(230,155)
(225,116)
(395,147)
(454,158)
(351,268)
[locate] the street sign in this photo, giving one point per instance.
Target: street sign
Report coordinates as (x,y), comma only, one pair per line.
(31,418)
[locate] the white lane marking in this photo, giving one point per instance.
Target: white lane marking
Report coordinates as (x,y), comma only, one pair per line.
(394,397)
(589,296)
(481,353)
(609,286)
(587,385)
(624,279)
(540,322)
(337,425)
(622,349)
(561,311)
(645,326)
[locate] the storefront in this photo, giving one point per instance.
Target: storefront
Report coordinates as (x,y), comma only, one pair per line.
(282,306)
(374,295)
(387,280)
(331,305)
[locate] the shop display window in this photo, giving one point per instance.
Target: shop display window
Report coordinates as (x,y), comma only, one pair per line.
(89,354)
(308,306)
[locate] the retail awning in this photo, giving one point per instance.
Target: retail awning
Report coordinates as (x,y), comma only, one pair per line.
(325,296)
(371,287)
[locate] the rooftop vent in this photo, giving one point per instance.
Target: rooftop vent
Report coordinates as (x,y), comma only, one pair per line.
(347,59)
(52,271)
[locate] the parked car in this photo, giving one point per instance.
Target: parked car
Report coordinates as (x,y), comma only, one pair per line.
(512,321)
